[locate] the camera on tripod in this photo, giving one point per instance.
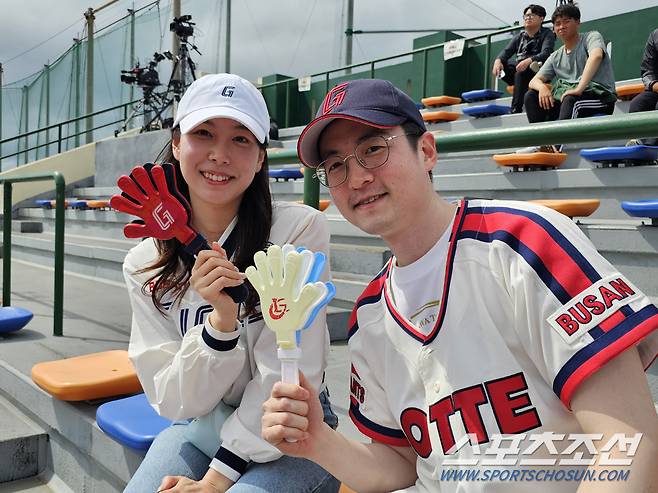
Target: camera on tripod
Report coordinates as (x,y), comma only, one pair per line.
(182,26)
(146,77)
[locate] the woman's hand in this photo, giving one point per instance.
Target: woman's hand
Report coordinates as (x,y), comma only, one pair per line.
(211,273)
(212,482)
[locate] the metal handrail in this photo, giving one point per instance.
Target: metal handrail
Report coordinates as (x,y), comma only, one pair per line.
(422,50)
(556,132)
(58,302)
(59,126)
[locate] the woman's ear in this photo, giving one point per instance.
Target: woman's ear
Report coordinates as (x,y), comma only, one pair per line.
(175,145)
(261,158)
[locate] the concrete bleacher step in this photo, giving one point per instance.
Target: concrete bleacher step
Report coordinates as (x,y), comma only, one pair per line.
(22,444)
(91,256)
(103,256)
(610,185)
(81,454)
(29,485)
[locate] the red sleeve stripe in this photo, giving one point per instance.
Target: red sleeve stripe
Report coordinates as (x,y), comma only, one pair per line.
(539,242)
(595,355)
(612,321)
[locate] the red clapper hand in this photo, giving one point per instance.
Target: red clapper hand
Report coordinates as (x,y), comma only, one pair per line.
(150,193)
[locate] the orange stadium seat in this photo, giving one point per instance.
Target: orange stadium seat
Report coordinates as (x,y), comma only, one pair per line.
(440,116)
(436,101)
(532,160)
(92,376)
(570,207)
(629,91)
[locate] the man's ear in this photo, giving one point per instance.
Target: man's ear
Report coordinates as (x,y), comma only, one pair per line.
(428,150)
(175,145)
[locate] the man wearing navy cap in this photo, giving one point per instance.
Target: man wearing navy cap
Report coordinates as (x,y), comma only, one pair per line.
(494,328)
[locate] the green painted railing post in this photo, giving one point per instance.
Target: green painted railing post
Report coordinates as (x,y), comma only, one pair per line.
(6,246)
(58,292)
(58,305)
(423,86)
(287,117)
(311,189)
(487,56)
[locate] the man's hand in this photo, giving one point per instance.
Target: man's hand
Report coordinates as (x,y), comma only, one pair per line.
(545,97)
(523,64)
(497,67)
(294,412)
(577,91)
(654,87)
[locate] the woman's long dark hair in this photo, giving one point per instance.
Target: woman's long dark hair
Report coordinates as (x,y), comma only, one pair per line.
(252,230)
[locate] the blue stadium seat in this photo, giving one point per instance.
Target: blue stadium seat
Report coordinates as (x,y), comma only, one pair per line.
(13,318)
(286,174)
(642,208)
(131,421)
(486,110)
(481,95)
(635,155)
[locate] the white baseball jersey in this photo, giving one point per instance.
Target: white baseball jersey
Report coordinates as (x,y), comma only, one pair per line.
(186,366)
(528,311)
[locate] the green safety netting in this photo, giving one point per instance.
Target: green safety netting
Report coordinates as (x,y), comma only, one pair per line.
(57,92)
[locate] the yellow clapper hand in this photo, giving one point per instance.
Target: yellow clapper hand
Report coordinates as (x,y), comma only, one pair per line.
(286,280)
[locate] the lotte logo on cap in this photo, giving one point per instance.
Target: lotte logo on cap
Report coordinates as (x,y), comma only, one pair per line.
(334,98)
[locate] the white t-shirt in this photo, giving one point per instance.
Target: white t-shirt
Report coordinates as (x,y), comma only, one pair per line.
(409,285)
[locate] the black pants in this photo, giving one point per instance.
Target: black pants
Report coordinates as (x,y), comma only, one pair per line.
(520,81)
(571,107)
(645,101)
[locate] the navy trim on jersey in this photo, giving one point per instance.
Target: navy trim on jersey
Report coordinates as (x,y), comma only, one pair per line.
(236,463)
(201,312)
(182,319)
(376,431)
(217,344)
(371,294)
(607,339)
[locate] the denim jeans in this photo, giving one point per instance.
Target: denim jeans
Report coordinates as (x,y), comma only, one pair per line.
(172,455)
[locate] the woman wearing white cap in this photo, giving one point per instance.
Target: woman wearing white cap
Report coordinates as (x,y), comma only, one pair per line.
(196,352)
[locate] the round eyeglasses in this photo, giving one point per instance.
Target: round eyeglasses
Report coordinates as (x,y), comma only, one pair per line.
(370,154)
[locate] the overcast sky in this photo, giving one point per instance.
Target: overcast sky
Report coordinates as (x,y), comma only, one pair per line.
(292,37)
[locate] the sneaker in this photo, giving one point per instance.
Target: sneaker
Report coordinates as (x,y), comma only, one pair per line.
(633,142)
(535,66)
(528,150)
(544,148)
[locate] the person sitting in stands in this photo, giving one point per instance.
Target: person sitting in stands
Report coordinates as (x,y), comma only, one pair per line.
(530,48)
(580,73)
(647,100)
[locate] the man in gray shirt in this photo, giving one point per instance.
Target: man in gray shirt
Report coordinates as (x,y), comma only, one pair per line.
(580,74)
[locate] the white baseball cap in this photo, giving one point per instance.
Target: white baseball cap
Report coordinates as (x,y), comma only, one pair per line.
(224,96)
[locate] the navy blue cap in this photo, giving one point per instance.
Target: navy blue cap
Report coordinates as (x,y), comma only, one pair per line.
(373,102)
